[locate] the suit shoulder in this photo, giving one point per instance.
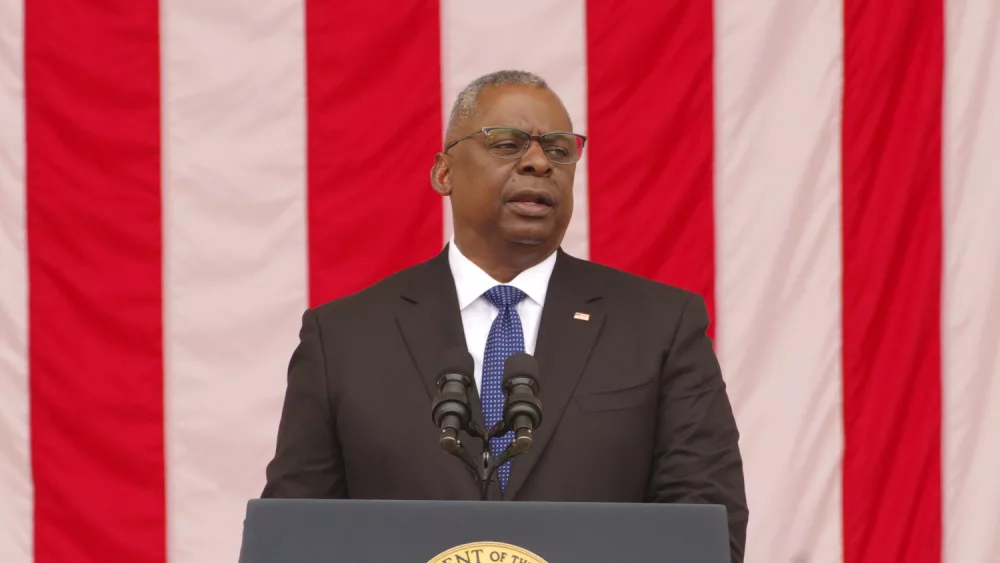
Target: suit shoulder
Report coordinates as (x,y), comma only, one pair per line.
(377,294)
(627,283)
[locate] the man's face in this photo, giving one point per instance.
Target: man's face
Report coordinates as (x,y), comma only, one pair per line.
(524,201)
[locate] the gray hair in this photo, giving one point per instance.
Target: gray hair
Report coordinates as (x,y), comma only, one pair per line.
(467,102)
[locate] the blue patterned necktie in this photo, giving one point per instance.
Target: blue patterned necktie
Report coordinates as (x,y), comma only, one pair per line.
(505,339)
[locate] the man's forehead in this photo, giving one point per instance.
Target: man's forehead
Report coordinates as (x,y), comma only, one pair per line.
(521,106)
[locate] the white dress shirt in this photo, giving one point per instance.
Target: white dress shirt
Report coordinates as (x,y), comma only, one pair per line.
(471,282)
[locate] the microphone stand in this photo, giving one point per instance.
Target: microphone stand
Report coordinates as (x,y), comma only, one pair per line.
(484,468)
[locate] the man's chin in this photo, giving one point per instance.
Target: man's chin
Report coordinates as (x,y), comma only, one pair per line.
(526,242)
(528,237)
(530,232)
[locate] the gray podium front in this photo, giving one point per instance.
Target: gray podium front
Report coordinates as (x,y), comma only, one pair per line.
(383,531)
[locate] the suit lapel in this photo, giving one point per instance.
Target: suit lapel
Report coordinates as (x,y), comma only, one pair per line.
(565,340)
(431,323)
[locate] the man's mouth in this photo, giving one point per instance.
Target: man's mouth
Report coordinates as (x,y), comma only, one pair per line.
(531,203)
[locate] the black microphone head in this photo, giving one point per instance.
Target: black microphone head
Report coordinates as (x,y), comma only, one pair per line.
(522,409)
(456,361)
(522,367)
(450,409)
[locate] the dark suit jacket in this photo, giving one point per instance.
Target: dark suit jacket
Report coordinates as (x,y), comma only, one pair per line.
(635,408)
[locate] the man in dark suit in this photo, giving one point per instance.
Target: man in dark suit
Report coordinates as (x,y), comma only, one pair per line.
(635,407)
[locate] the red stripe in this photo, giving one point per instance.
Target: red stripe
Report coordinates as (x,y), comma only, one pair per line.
(93,213)
(650,195)
(374,120)
(892,280)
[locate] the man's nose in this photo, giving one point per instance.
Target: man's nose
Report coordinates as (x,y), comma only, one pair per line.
(534,162)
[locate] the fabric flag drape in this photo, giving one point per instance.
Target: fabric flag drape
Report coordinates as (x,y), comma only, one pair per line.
(180,180)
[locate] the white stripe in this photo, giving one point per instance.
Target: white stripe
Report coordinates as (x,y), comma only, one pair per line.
(16,490)
(971,307)
(547,38)
(234,255)
(778,84)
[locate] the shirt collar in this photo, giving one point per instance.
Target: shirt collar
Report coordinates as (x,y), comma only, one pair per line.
(471,281)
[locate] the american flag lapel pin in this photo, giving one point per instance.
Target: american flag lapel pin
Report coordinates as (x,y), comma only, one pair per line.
(581,316)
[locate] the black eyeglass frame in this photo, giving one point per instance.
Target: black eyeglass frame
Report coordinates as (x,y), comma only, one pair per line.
(485,130)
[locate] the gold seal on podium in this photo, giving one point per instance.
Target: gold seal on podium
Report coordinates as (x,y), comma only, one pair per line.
(487,552)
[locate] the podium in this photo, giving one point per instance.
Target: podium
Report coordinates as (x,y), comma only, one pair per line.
(391,531)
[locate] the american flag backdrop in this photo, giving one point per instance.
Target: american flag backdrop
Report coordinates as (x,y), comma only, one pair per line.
(179,180)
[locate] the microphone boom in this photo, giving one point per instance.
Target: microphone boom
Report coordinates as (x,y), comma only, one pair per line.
(451,414)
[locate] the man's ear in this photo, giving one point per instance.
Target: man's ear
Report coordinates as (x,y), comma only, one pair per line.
(441,175)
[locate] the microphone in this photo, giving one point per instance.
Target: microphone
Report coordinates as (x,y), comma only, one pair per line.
(450,409)
(522,411)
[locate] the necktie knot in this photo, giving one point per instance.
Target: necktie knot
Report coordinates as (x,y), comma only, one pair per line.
(504,296)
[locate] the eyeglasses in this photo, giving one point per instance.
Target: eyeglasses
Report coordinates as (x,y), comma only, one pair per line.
(511,143)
